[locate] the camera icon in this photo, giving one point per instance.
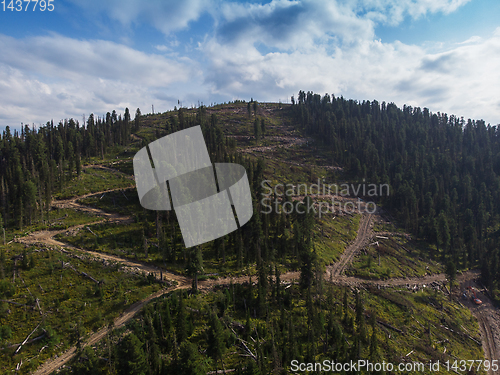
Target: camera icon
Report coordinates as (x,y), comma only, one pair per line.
(202,197)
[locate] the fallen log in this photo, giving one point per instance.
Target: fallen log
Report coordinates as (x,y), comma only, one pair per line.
(29,342)
(37,303)
(90,277)
(243,344)
(14,303)
(26,339)
(82,273)
(387,325)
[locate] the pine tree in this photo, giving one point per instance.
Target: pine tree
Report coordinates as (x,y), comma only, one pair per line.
(30,199)
(137,120)
(131,358)
(190,361)
(181,327)
(257,129)
(195,264)
(216,341)
(451,274)
(78,163)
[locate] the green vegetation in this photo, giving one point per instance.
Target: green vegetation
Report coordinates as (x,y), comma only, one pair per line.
(45,288)
(442,192)
(395,257)
(260,331)
(125,202)
(93,180)
(442,170)
(333,234)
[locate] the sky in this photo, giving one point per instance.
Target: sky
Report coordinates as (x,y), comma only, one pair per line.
(95,56)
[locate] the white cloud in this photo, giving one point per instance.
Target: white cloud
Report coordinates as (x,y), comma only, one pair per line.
(291,25)
(472,39)
(61,57)
(165,15)
(460,81)
(162,48)
(267,52)
(56,77)
(393,12)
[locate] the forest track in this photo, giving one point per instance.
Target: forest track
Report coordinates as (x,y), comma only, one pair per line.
(52,365)
(47,236)
(361,240)
(110,169)
(390,283)
(487,316)
(71,203)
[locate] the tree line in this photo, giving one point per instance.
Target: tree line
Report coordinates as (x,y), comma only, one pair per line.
(443,171)
(36,163)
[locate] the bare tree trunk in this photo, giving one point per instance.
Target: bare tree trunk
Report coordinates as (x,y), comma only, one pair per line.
(26,339)
(158,224)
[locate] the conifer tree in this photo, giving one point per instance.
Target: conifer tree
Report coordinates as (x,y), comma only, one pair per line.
(216,341)
(181,327)
(131,357)
(195,264)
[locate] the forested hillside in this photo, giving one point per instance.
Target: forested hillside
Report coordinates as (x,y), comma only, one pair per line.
(39,162)
(39,165)
(259,297)
(444,171)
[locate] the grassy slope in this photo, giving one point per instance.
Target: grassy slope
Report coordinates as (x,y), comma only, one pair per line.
(69,302)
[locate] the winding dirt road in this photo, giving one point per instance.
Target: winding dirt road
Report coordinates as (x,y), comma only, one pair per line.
(54,364)
(488,317)
(47,236)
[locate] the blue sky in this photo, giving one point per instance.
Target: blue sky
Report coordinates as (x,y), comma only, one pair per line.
(93,56)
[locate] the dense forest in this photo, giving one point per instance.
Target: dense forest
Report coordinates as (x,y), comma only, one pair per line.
(444,172)
(38,162)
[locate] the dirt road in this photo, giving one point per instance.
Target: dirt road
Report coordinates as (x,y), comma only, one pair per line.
(54,364)
(410,282)
(362,239)
(72,203)
(46,236)
(486,314)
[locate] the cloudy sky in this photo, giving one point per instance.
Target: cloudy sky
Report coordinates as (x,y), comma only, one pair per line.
(93,56)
